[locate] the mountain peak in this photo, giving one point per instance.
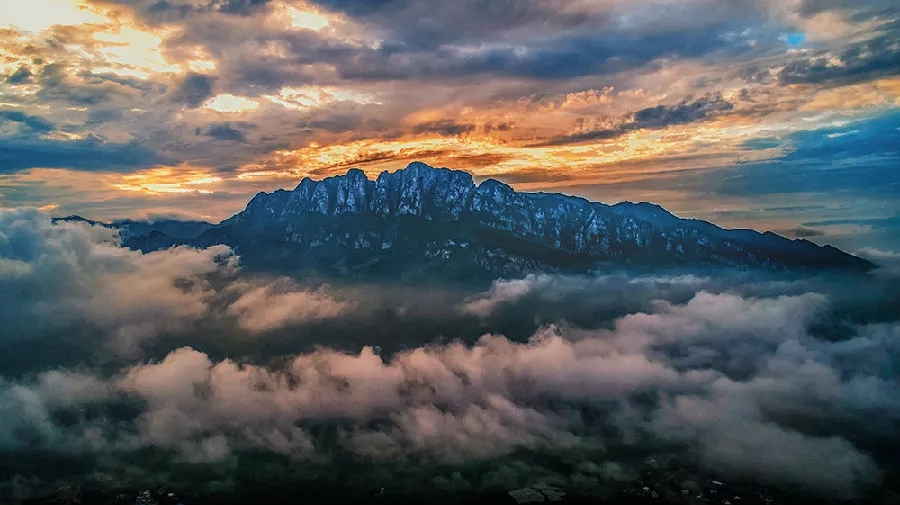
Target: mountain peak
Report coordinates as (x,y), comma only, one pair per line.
(494,184)
(489,226)
(418,165)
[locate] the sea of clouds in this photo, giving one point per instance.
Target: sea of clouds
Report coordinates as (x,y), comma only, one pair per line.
(784,381)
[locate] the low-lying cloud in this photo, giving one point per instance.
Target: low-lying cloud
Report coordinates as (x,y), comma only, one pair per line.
(457,402)
(762,378)
(57,276)
(268,307)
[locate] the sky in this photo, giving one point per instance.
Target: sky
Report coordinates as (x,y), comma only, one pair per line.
(779,115)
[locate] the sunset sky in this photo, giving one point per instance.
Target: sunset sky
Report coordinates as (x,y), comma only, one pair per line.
(780,115)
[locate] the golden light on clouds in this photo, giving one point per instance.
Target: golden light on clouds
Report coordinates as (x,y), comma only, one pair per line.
(263,174)
(100,40)
(486,156)
(135,52)
(881,92)
(298,16)
(166,180)
(631,157)
(185,191)
(306,19)
(308,97)
(290,88)
(231,103)
(201,65)
(38,15)
(587,98)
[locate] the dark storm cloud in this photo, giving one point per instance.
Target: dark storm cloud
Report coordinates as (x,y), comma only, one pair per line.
(336,123)
(99,116)
(241,7)
(444,127)
(52,74)
(168,11)
(473,160)
(435,41)
(91,153)
(228,131)
(553,59)
(755,74)
(428,25)
(861,62)
(601,134)
(499,126)
(85,88)
(193,90)
(34,123)
(244,66)
(21,76)
(805,232)
(261,76)
(123,80)
(689,110)
(364,158)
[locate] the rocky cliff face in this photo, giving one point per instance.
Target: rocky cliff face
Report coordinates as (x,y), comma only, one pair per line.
(439,216)
(418,190)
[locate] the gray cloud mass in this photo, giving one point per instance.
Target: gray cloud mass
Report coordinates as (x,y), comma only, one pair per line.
(733,368)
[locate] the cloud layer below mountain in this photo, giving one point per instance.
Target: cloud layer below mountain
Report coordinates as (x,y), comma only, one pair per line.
(774,380)
(58,276)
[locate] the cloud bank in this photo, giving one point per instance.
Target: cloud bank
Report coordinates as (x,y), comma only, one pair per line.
(57,276)
(784,382)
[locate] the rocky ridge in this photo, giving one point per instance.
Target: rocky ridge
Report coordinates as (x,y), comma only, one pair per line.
(439,216)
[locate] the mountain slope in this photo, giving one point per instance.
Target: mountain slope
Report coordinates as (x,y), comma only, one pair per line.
(423,219)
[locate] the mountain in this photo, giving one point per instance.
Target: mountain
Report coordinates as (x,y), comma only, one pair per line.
(435,221)
(128,228)
(170,227)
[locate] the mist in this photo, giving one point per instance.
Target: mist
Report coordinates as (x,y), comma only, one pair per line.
(178,368)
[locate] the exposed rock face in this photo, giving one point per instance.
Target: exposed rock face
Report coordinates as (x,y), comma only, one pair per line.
(418,190)
(431,215)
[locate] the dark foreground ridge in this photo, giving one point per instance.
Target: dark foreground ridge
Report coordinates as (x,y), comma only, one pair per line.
(661,482)
(425,220)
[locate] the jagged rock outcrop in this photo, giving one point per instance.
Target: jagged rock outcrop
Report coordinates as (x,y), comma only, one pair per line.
(439,217)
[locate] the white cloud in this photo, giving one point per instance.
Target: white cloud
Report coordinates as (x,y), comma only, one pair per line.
(272,306)
(741,382)
(57,276)
(502,291)
(458,402)
(887,261)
